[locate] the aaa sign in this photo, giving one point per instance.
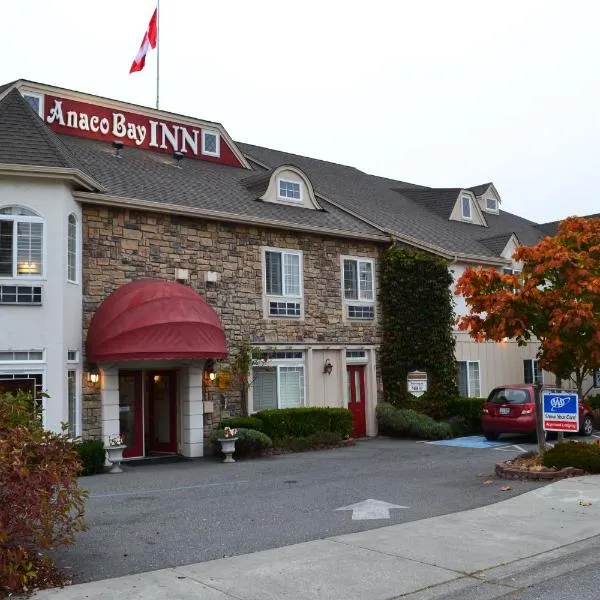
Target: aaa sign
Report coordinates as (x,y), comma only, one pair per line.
(560,411)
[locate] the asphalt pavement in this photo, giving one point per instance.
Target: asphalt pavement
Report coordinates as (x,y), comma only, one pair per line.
(499,551)
(158,516)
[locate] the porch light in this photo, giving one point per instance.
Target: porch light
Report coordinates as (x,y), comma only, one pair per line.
(327,367)
(93,376)
(156,379)
(209,371)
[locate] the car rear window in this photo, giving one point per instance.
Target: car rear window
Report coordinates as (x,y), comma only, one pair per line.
(509,396)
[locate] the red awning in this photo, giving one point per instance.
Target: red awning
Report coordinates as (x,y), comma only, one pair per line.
(155,320)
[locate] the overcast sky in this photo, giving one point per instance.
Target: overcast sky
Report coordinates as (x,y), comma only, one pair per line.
(436,92)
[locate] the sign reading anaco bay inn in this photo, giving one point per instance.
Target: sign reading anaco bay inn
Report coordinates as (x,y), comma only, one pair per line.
(139,248)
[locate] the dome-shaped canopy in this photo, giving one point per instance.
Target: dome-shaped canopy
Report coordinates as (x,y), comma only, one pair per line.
(155,320)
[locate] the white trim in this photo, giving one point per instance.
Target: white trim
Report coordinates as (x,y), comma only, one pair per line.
(469,362)
(493,211)
(284,297)
(205,132)
(281,180)
(77,378)
(29,368)
(276,364)
(76,280)
(73,361)
(28,361)
(16,219)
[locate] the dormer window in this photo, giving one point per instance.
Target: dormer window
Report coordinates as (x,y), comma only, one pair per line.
(491,205)
(466,208)
(35,101)
(211,143)
(289,190)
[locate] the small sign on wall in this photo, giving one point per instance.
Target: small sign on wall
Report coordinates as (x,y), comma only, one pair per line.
(417,382)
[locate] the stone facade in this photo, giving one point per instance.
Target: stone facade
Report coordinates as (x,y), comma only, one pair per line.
(122,245)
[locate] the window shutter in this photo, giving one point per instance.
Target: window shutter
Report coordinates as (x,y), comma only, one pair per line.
(264,389)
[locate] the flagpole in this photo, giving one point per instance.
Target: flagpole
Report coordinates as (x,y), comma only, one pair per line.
(157,51)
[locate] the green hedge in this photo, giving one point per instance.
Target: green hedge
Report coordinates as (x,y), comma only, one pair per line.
(249,441)
(92,455)
(593,401)
(298,444)
(244,422)
(467,409)
(402,422)
(304,422)
(572,454)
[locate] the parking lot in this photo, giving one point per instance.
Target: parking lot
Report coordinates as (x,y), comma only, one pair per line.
(157,516)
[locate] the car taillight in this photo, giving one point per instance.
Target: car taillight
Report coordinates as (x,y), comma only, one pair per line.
(485,411)
(527,409)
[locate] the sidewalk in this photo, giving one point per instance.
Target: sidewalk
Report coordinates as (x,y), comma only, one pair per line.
(440,554)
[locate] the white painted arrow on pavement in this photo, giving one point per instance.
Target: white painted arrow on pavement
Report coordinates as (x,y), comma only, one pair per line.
(370,509)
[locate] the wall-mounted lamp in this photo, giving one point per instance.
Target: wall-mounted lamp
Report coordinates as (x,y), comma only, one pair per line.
(93,376)
(327,367)
(156,379)
(209,371)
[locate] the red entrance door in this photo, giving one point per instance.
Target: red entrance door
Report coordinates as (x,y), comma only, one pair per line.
(162,413)
(357,399)
(130,412)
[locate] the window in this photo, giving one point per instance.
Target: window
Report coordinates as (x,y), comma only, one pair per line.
(469,382)
(279,385)
(35,101)
(72,249)
(211,145)
(289,190)
(358,286)
(283,283)
(532,373)
(597,378)
(466,208)
(72,356)
(72,408)
(491,205)
(20,294)
(36,379)
(21,242)
(21,356)
(360,355)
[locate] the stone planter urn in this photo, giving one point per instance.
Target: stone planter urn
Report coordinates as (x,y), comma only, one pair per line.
(228,448)
(115,456)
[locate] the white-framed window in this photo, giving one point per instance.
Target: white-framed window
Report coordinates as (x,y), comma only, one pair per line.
(72,248)
(289,190)
(491,205)
(283,282)
(11,356)
(73,408)
(21,294)
(356,356)
(211,143)
(36,102)
(469,378)
(35,377)
(532,372)
(21,243)
(358,287)
(73,356)
(466,208)
(280,383)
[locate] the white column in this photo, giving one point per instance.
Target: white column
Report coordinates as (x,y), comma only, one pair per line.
(371,373)
(192,444)
(109,390)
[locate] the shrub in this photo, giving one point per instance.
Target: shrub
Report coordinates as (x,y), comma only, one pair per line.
(249,441)
(572,454)
(304,422)
(593,401)
(92,456)
(298,444)
(469,409)
(401,422)
(41,506)
(244,422)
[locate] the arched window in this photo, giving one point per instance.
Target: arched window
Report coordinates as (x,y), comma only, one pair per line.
(21,242)
(72,249)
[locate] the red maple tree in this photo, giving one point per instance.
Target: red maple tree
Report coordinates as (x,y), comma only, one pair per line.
(555,299)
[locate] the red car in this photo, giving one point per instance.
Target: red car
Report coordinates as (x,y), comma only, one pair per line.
(511,409)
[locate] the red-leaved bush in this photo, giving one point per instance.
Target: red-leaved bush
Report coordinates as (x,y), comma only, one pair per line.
(41,506)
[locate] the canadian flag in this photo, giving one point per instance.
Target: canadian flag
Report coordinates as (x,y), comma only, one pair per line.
(148,42)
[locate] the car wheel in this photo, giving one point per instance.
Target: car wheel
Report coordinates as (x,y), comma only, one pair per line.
(587,427)
(491,436)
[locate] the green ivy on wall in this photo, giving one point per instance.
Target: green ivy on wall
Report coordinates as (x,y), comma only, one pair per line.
(417,321)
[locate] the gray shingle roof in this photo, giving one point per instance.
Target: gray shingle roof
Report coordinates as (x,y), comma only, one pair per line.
(496,243)
(440,201)
(25,138)
(480,189)
(5,86)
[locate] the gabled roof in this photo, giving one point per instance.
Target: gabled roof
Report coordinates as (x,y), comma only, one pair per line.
(480,189)
(5,86)
(497,243)
(438,200)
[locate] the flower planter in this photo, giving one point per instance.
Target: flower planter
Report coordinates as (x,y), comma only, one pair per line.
(115,456)
(228,448)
